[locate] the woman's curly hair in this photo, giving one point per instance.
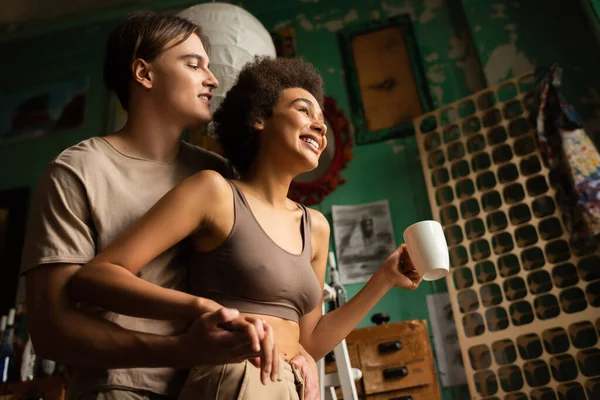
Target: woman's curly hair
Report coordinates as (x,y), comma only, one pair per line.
(259,86)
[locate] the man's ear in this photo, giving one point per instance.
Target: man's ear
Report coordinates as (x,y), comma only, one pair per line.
(258,124)
(142,73)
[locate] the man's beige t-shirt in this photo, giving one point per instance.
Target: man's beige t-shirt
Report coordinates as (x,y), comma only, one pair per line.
(87,196)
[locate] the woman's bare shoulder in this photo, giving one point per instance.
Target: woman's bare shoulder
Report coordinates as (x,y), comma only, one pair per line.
(319,223)
(207,182)
(203,191)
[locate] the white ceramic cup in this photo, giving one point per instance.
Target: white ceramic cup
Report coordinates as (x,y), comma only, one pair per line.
(428,249)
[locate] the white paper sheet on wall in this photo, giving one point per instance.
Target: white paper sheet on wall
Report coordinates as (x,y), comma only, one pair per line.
(364,239)
(445,340)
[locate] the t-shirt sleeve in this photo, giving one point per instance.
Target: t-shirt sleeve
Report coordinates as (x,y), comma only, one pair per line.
(60,226)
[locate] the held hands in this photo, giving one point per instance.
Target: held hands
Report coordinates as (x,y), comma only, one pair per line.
(223,336)
(265,352)
(399,270)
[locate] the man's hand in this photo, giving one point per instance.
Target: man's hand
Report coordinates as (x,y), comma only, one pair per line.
(207,342)
(222,337)
(268,362)
(307,365)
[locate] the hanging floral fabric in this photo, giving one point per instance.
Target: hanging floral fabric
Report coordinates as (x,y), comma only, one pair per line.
(573,158)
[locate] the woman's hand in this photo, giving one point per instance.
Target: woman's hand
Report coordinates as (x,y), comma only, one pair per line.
(399,270)
(308,367)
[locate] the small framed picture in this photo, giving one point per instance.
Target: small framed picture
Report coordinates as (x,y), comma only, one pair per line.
(385,79)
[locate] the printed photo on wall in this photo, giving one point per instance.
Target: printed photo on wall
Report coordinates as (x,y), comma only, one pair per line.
(42,110)
(364,238)
(445,339)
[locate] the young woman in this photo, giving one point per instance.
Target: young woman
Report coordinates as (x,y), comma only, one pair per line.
(255,250)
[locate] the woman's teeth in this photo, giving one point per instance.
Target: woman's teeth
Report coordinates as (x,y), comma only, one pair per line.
(312,142)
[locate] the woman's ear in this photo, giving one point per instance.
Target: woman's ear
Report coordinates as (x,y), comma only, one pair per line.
(142,73)
(259,124)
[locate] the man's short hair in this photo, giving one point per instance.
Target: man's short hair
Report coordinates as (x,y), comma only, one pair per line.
(145,35)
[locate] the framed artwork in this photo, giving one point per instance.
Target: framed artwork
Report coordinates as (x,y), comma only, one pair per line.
(13,213)
(43,109)
(385,79)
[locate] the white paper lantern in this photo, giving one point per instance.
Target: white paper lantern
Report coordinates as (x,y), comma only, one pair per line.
(235,35)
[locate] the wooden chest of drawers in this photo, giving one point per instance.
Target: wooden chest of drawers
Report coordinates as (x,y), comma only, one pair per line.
(396,361)
(51,388)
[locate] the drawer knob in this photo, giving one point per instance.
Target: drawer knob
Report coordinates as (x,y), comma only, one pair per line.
(402,398)
(380,318)
(397,372)
(389,347)
(330,357)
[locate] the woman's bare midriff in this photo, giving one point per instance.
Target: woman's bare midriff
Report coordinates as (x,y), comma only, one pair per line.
(286,333)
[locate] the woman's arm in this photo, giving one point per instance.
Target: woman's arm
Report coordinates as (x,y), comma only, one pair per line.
(109,280)
(319,334)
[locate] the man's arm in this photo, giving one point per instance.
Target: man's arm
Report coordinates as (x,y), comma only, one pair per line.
(110,280)
(61,332)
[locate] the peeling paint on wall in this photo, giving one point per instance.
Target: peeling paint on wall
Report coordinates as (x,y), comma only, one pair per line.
(281,24)
(333,25)
(438,92)
(429,12)
(498,11)
(331,70)
(505,60)
(325,15)
(392,11)
(435,74)
(375,15)
(432,57)
(351,16)
(477,28)
(398,149)
(305,23)
(458,47)
(512,28)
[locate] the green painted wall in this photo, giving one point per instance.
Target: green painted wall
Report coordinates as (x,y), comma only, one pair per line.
(461,48)
(596,6)
(54,57)
(515,37)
